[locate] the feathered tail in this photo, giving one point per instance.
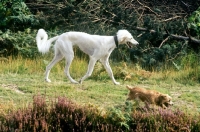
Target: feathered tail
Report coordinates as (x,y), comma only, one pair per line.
(42,41)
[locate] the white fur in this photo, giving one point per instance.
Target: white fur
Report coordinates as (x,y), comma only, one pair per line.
(96,46)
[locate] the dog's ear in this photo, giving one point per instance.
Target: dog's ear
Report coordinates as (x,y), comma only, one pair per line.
(168,96)
(163,96)
(160,99)
(122,39)
(128,87)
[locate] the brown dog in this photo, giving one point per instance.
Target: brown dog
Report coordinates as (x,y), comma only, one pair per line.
(149,96)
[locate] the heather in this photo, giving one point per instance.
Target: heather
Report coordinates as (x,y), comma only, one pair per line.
(62,114)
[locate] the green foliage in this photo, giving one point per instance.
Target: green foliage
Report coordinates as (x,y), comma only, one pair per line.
(190,60)
(15,15)
(20,43)
(157,57)
(194,23)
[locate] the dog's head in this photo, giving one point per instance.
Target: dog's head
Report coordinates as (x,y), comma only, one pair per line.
(166,100)
(131,93)
(124,37)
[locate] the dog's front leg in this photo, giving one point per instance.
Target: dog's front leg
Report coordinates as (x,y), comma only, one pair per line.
(90,69)
(163,106)
(147,105)
(106,65)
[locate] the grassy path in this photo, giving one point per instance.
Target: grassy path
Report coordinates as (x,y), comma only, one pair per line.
(21,79)
(17,90)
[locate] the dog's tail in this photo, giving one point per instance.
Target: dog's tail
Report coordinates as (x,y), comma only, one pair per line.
(42,41)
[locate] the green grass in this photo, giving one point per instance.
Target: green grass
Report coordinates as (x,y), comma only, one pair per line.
(27,76)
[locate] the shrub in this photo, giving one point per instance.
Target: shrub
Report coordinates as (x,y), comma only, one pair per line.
(20,43)
(194,23)
(15,15)
(65,115)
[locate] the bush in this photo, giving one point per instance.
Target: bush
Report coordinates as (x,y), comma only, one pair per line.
(20,43)
(15,15)
(65,115)
(194,23)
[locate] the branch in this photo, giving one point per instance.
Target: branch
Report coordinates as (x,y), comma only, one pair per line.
(145,29)
(170,18)
(44,5)
(191,39)
(163,42)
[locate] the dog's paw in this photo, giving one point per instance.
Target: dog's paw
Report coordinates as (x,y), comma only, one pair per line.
(116,83)
(47,80)
(80,81)
(73,81)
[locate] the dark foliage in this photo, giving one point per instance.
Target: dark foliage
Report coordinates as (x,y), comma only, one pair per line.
(159,18)
(15,15)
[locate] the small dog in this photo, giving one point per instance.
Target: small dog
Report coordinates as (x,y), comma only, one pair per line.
(149,96)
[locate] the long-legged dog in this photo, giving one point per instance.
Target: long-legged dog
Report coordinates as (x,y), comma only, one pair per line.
(96,46)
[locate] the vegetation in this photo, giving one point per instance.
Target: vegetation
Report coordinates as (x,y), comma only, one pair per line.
(155,28)
(29,103)
(194,23)
(167,59)
(64,115)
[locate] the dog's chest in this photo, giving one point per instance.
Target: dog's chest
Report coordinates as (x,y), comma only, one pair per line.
(111,49)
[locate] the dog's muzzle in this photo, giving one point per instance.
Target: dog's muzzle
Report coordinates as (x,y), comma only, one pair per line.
(129,45)
(167,104)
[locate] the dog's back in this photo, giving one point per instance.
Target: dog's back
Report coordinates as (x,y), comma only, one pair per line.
(143,94)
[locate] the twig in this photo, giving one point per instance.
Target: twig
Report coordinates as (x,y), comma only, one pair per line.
(144,29)
(140,35)
(169,19)
(166,31)
(147,8)
(111,13)
(177,53)
(141,15)
(164,41)
(174,57)
(147,49)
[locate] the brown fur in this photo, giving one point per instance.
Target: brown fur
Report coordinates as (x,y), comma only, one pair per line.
(149,96)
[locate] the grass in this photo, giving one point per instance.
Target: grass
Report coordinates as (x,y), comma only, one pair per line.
(21,79)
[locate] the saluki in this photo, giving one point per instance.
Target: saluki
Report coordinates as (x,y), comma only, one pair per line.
(96,46)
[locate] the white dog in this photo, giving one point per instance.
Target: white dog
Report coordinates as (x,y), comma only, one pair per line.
(96,46)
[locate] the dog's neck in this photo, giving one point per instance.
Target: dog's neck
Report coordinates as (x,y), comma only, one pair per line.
(116,41)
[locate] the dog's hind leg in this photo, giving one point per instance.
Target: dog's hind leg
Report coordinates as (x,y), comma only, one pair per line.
(58,56)
(106,65)
(69,59)
(90,69)
(69,56)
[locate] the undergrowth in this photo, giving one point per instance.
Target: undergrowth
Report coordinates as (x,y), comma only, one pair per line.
(184,70)
(186,73)
(62,114)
